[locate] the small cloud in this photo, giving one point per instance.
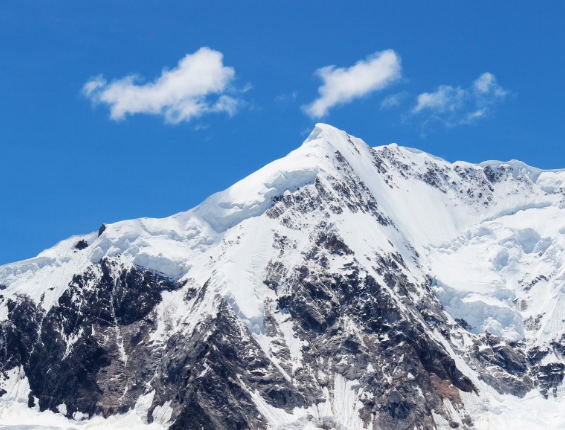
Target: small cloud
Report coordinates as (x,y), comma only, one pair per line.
(456,106)
(93,85)
(200,127)
(247,87)
(394,100)
(342,85)
(444,99)
(197,86)
(284,99)
(486,84)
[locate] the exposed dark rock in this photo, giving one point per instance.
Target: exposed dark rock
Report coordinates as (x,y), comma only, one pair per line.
(81,244)
(549,377)
(97,311)
(101,230)
(559,345)
(535,355)
(506,365)
(464,324)
(333,243)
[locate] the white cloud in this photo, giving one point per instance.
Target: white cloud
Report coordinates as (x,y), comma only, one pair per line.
(197,86)
(455,105)
(444,99)
(486,84)
(341,85)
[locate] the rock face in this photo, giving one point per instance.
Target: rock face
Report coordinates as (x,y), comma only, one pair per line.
(342,287)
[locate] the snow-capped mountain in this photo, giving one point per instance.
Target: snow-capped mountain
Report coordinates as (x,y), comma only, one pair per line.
(342,286)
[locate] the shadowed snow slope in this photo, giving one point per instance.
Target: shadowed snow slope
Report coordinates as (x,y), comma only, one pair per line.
(342,286)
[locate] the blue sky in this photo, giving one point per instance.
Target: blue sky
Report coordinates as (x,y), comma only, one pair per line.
(113,110)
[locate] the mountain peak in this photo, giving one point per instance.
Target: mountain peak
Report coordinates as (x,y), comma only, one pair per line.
(306,295)
(319,129)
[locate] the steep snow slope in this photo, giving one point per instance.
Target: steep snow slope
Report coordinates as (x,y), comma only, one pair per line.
(306,295)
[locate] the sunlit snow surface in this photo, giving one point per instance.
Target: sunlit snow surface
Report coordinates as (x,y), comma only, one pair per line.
(16,416)
(498,275)
(497,265)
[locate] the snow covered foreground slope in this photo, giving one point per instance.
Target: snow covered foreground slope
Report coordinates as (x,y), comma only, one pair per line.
(342,286)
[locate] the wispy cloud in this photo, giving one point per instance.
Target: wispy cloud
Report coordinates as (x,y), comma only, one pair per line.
(197,86)
(456,106)
(342,85)
(284,99)
(394,100)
